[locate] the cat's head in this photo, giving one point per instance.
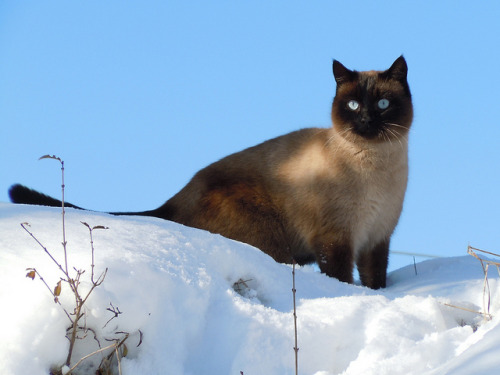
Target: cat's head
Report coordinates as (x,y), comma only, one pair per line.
(372,105)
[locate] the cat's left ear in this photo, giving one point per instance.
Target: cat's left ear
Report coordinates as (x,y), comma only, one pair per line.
(398,69)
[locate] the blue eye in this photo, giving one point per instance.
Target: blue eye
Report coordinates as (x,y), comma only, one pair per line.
(353,105)
(383,104)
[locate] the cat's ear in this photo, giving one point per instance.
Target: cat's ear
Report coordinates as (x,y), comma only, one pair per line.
(398,69)
(341,73)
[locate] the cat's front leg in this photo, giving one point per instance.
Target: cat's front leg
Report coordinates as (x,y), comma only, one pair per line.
(336,260)
(372,265)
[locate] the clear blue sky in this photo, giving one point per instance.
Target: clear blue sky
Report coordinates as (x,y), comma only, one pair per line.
(136,96)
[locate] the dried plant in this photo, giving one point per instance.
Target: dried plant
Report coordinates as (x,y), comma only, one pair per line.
(295,348)
(485,264)
(72,277)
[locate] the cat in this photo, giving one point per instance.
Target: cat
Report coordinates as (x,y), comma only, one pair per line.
(326,195)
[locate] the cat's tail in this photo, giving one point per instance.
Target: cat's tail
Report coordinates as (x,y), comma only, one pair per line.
(24,195)
(21,194)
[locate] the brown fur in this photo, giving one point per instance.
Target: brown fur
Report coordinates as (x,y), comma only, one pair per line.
(325,195)
(333,195)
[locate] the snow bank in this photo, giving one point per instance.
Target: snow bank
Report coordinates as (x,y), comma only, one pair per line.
(175,285)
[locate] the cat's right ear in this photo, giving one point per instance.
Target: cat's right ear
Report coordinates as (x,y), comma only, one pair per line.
(341,73)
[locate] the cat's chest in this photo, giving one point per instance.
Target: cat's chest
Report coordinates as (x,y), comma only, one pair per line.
(359,192)
(377,202)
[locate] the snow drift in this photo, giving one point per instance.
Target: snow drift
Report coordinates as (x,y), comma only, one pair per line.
(175,288)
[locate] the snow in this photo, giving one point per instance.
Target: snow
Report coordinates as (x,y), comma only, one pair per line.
(175,288)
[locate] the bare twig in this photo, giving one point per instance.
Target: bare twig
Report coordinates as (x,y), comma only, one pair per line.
(118,360)
(35,271)
(74,330)
(140,338)
(92,354)
(237,286)
(92,248)
(469,310)
(63,217)
(118,344)
(485,263)
(24,226)
(471,250)
(64,243)
(115,310)
(79,303)
(295,348)
(85,329)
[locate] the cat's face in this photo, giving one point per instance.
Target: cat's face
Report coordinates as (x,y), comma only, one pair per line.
(373,105)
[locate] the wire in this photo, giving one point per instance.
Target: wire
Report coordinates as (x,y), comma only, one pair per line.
(415,254)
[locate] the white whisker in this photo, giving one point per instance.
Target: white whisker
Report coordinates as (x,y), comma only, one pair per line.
(343,134)
(397,125)
(386,136)
(396,135)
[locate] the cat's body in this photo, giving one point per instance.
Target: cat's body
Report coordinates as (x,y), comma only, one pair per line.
(333,195)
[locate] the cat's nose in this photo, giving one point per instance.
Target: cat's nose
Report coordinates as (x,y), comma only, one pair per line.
(365,119)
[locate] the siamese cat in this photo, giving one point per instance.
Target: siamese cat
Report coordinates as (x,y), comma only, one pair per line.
(331,196)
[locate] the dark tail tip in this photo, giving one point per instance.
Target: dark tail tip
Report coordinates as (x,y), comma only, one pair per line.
(24,195)
(20,194)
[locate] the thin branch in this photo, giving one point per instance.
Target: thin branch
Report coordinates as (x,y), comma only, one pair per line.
(489,316)
(64,243)
(115,310)
(118,345)
(92,251)
(52,293)
(100,280)
(23,225)
(118,361)
(63,217)
(471,250)
(73,333)
(92,265)
(295,348)
(92,354)
(485,263)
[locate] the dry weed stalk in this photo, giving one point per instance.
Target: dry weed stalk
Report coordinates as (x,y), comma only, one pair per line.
(485,264)
(295,348)
(115,347)
(241,285)
(74,282)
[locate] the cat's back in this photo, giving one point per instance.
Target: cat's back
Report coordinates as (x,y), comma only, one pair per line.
(276,151)
(256,171)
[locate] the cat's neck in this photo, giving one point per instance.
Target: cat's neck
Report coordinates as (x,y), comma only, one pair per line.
(355,149)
